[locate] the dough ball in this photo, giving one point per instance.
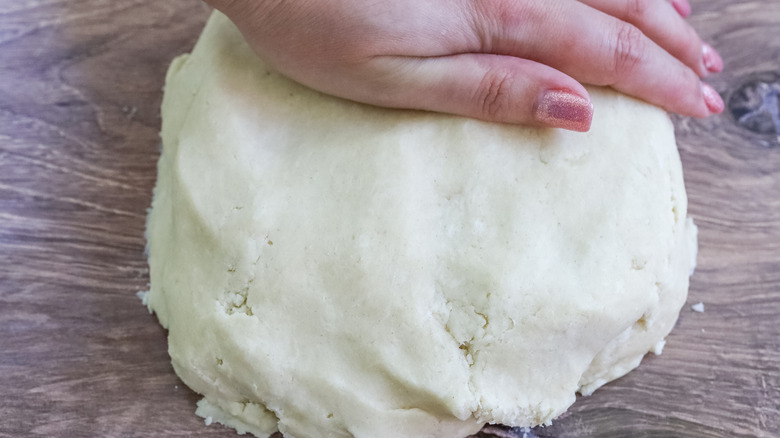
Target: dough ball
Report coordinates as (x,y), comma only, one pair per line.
(330,269)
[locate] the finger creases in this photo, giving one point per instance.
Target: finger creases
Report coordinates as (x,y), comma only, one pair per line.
(661,23)
(597,48)
(495,88)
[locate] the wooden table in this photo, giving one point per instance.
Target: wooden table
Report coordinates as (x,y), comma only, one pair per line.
(80,89)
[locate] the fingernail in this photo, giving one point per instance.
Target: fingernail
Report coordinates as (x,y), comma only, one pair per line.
(712,99)
(682,7)
(563,109)
(712,60)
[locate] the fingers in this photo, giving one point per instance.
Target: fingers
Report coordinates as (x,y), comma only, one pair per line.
(596,48)
(491,87)
(517,61)
(483,86)
(659,21)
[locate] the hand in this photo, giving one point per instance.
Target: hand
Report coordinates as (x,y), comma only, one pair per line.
(515,61)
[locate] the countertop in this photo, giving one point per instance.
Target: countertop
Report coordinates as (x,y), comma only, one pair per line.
(80,90)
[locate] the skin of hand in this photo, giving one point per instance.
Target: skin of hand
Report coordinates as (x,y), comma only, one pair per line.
(512,61)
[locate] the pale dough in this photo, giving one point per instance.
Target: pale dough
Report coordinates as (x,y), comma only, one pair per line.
(331,269)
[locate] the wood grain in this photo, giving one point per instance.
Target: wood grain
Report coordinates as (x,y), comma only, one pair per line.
(80,89)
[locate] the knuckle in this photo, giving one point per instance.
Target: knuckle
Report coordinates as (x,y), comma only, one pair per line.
(490,19)
(494,94)
(628,49)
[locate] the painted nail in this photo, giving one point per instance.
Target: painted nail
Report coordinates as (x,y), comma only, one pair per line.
(564,109)
(712,99)
(712,60)
(682,7)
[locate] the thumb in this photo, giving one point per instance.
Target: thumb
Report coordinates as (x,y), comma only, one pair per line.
(491,87)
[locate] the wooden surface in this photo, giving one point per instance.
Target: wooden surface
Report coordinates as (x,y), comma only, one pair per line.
(80,88)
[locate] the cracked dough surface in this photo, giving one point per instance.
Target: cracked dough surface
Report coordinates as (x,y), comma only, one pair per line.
(330,269)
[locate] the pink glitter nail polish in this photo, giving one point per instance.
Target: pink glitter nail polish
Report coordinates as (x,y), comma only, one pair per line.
(712,60)
(712,99)
(564,109)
